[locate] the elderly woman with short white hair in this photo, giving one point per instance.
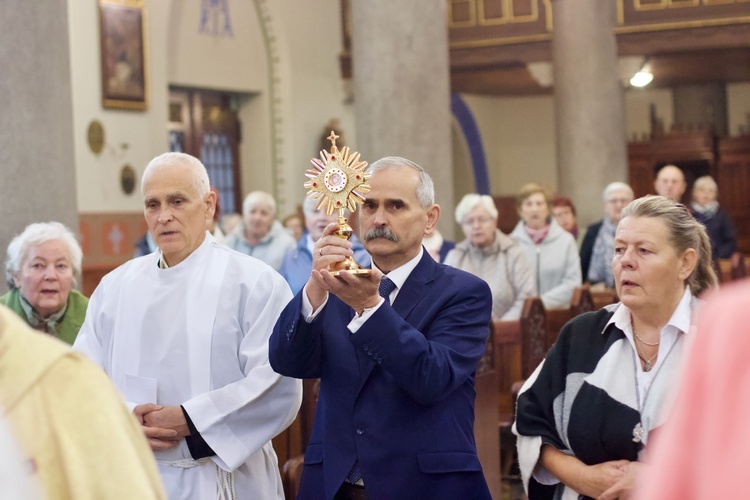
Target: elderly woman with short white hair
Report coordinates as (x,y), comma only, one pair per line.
(41,269)
(493,256)
(718,224)
(598,246)
(260,235)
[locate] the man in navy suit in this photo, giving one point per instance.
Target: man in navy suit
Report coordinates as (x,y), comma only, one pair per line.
(395,413)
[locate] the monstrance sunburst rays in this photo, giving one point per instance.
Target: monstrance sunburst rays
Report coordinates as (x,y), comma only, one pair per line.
(338,180)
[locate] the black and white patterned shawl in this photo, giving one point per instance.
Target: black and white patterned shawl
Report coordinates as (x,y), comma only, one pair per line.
(583,399)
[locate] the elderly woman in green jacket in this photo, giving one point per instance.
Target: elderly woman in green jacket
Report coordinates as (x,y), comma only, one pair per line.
(41,269)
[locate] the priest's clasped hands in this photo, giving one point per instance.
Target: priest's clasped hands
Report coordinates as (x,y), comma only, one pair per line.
(164,426)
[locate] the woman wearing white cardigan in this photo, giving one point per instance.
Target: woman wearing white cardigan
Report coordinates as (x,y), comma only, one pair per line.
(550,250)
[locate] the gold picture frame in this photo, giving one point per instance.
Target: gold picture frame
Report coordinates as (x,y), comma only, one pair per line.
(123,49)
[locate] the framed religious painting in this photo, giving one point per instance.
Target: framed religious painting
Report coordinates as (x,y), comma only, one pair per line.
(123,48)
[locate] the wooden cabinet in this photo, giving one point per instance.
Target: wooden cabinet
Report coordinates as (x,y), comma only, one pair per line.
(693,152)
(733,178)
(726,159)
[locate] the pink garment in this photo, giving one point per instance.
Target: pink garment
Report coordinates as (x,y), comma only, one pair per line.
(703,450)
(537,235)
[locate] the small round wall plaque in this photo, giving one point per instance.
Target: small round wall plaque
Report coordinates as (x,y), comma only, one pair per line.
(95,136)
(127,179)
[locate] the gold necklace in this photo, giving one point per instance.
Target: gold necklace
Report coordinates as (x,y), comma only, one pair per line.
(652,344)
(647,367)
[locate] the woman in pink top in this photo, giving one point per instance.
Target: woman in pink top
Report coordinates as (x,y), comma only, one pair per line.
(703,450)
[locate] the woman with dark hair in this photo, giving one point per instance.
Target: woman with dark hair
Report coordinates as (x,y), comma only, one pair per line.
(564,212)
(585,415)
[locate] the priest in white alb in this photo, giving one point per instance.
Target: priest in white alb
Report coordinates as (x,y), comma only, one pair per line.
(183,333)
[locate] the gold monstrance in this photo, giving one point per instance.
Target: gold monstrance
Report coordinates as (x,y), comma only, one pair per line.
(338,181)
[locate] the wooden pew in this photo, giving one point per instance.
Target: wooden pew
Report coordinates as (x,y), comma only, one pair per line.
(604,297)
(291,476)
(519,348)
(486,432)
(285,445)
(290,445)
(507,353)
(731,269)
(581,302)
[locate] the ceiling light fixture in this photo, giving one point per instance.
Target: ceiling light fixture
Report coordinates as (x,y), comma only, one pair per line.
(643,77)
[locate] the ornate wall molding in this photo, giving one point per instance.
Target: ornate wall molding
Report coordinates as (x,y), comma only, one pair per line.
(490,23)
(274,97)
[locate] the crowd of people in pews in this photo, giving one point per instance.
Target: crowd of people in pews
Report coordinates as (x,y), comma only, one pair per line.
(204,336)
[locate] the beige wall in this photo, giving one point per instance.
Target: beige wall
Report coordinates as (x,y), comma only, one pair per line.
(519,140)
(236,64)
(637,103)
(132,137)
(280,134)
(232,63)
(637,110)
(310,38)
(463,181)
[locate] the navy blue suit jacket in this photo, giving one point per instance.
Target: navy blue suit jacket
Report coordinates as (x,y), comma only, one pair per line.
(398,395)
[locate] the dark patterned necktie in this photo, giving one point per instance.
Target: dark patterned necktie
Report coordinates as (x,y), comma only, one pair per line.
(355,474)
(385,288)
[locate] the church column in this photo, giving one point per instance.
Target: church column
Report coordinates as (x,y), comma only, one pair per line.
(36,118)
(589,103)
(402,88)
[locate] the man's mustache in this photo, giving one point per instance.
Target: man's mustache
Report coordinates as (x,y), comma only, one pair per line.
(381,232)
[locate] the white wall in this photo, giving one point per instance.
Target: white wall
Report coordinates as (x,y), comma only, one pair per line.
(518,134)
(279,136)
(204,60)
(312,43)
(285,62)
(238,63)
(303,76)
(132,137)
